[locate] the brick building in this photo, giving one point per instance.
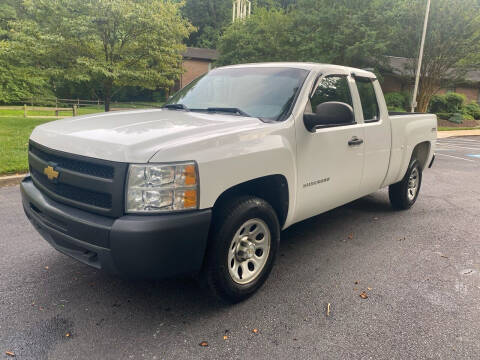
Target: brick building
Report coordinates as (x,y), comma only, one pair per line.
(196,62)
(400,77)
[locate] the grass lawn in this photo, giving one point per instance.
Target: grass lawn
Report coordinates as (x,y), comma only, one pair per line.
(442,128)
(14,134)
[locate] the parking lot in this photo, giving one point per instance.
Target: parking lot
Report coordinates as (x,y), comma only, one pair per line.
(420,270)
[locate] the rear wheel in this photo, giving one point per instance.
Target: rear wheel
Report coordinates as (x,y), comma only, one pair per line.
(405,193)
(242,248)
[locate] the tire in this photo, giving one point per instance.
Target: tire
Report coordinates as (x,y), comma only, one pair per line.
(246,236)
(405,193)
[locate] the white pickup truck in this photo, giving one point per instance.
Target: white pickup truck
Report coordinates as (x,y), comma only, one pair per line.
(206,184)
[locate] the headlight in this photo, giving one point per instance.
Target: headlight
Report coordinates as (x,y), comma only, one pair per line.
(162,188)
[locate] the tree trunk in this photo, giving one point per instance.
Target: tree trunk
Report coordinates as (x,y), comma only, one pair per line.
(107,90)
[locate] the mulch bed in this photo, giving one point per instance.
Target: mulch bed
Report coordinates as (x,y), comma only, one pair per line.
(465,123)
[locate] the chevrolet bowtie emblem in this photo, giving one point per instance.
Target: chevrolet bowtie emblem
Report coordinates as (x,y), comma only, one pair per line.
(51,173)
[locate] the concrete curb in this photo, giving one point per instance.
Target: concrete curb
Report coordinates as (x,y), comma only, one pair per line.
(11,180)
(452,133)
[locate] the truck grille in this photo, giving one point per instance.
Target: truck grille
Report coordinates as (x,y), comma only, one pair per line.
(84,167)
(74,193)
(86,183)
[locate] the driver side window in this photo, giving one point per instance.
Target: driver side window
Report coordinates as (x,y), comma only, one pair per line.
(332,88)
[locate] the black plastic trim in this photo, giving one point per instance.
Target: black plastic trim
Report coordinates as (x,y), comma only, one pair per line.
(114,187)
(132,245)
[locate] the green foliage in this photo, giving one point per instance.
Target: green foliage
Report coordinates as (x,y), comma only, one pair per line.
(109,42)
(209,17)
(263,36)
(454,102)
(444,115)
(456,118)
(19,79)
(450,104)
(438,104)
(342,32)
(397,100)
(453,35)
(396,109)
(473,110)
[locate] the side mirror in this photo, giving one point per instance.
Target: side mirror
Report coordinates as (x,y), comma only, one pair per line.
(328,114)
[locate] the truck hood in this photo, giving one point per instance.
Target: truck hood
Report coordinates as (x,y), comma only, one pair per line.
(135,136)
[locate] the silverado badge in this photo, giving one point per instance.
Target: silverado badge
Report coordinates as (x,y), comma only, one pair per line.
(51,173)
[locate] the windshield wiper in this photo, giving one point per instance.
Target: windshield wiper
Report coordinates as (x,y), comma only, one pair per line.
(228,110)
(176,107)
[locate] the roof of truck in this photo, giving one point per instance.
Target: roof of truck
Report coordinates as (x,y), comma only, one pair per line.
(310,66)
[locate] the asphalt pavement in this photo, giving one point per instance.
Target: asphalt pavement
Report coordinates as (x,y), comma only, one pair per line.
(420,270)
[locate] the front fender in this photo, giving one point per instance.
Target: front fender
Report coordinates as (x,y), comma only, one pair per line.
(230,159)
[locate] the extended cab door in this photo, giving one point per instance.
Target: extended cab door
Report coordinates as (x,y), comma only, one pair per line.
(378,139)
(329,163)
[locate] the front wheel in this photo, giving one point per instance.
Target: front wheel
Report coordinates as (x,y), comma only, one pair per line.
(404,193)
(242,249)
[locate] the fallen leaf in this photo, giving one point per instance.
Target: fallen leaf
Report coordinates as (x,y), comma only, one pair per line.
(46,267)
(350,236)
(369,289)
(10,353)
(364,295)
(203,343)
(68,334)
(356,282)
(255,331)
(225,337)
(444,256)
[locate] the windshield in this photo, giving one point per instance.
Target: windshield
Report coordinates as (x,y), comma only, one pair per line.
(249,91)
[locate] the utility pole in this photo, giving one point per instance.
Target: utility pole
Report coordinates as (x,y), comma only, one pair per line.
(420,57)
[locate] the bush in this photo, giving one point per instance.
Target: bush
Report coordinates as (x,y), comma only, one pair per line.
(396,100)
(438,104)
(467,117)
(454,102)
(456,118)
(444,115)
(396,109)
(473,110)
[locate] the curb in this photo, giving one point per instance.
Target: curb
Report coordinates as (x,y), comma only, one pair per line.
(457,133)
(11,180)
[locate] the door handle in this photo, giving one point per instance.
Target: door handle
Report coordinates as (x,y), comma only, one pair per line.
(355,141)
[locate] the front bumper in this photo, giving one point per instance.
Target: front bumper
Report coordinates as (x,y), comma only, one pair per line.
(151,246)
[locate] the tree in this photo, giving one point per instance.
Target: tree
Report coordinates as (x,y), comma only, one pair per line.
(19,80)
(342,32)
(453,35)
(209,17)
(264,36)
(109,42)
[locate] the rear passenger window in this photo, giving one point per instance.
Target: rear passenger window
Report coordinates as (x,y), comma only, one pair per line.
(368,99)
(332,88)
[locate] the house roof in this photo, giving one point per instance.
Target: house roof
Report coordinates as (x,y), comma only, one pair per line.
(406,67)
(200,53)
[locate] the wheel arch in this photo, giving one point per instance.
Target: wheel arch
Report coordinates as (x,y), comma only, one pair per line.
(421,152)
(272,188)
